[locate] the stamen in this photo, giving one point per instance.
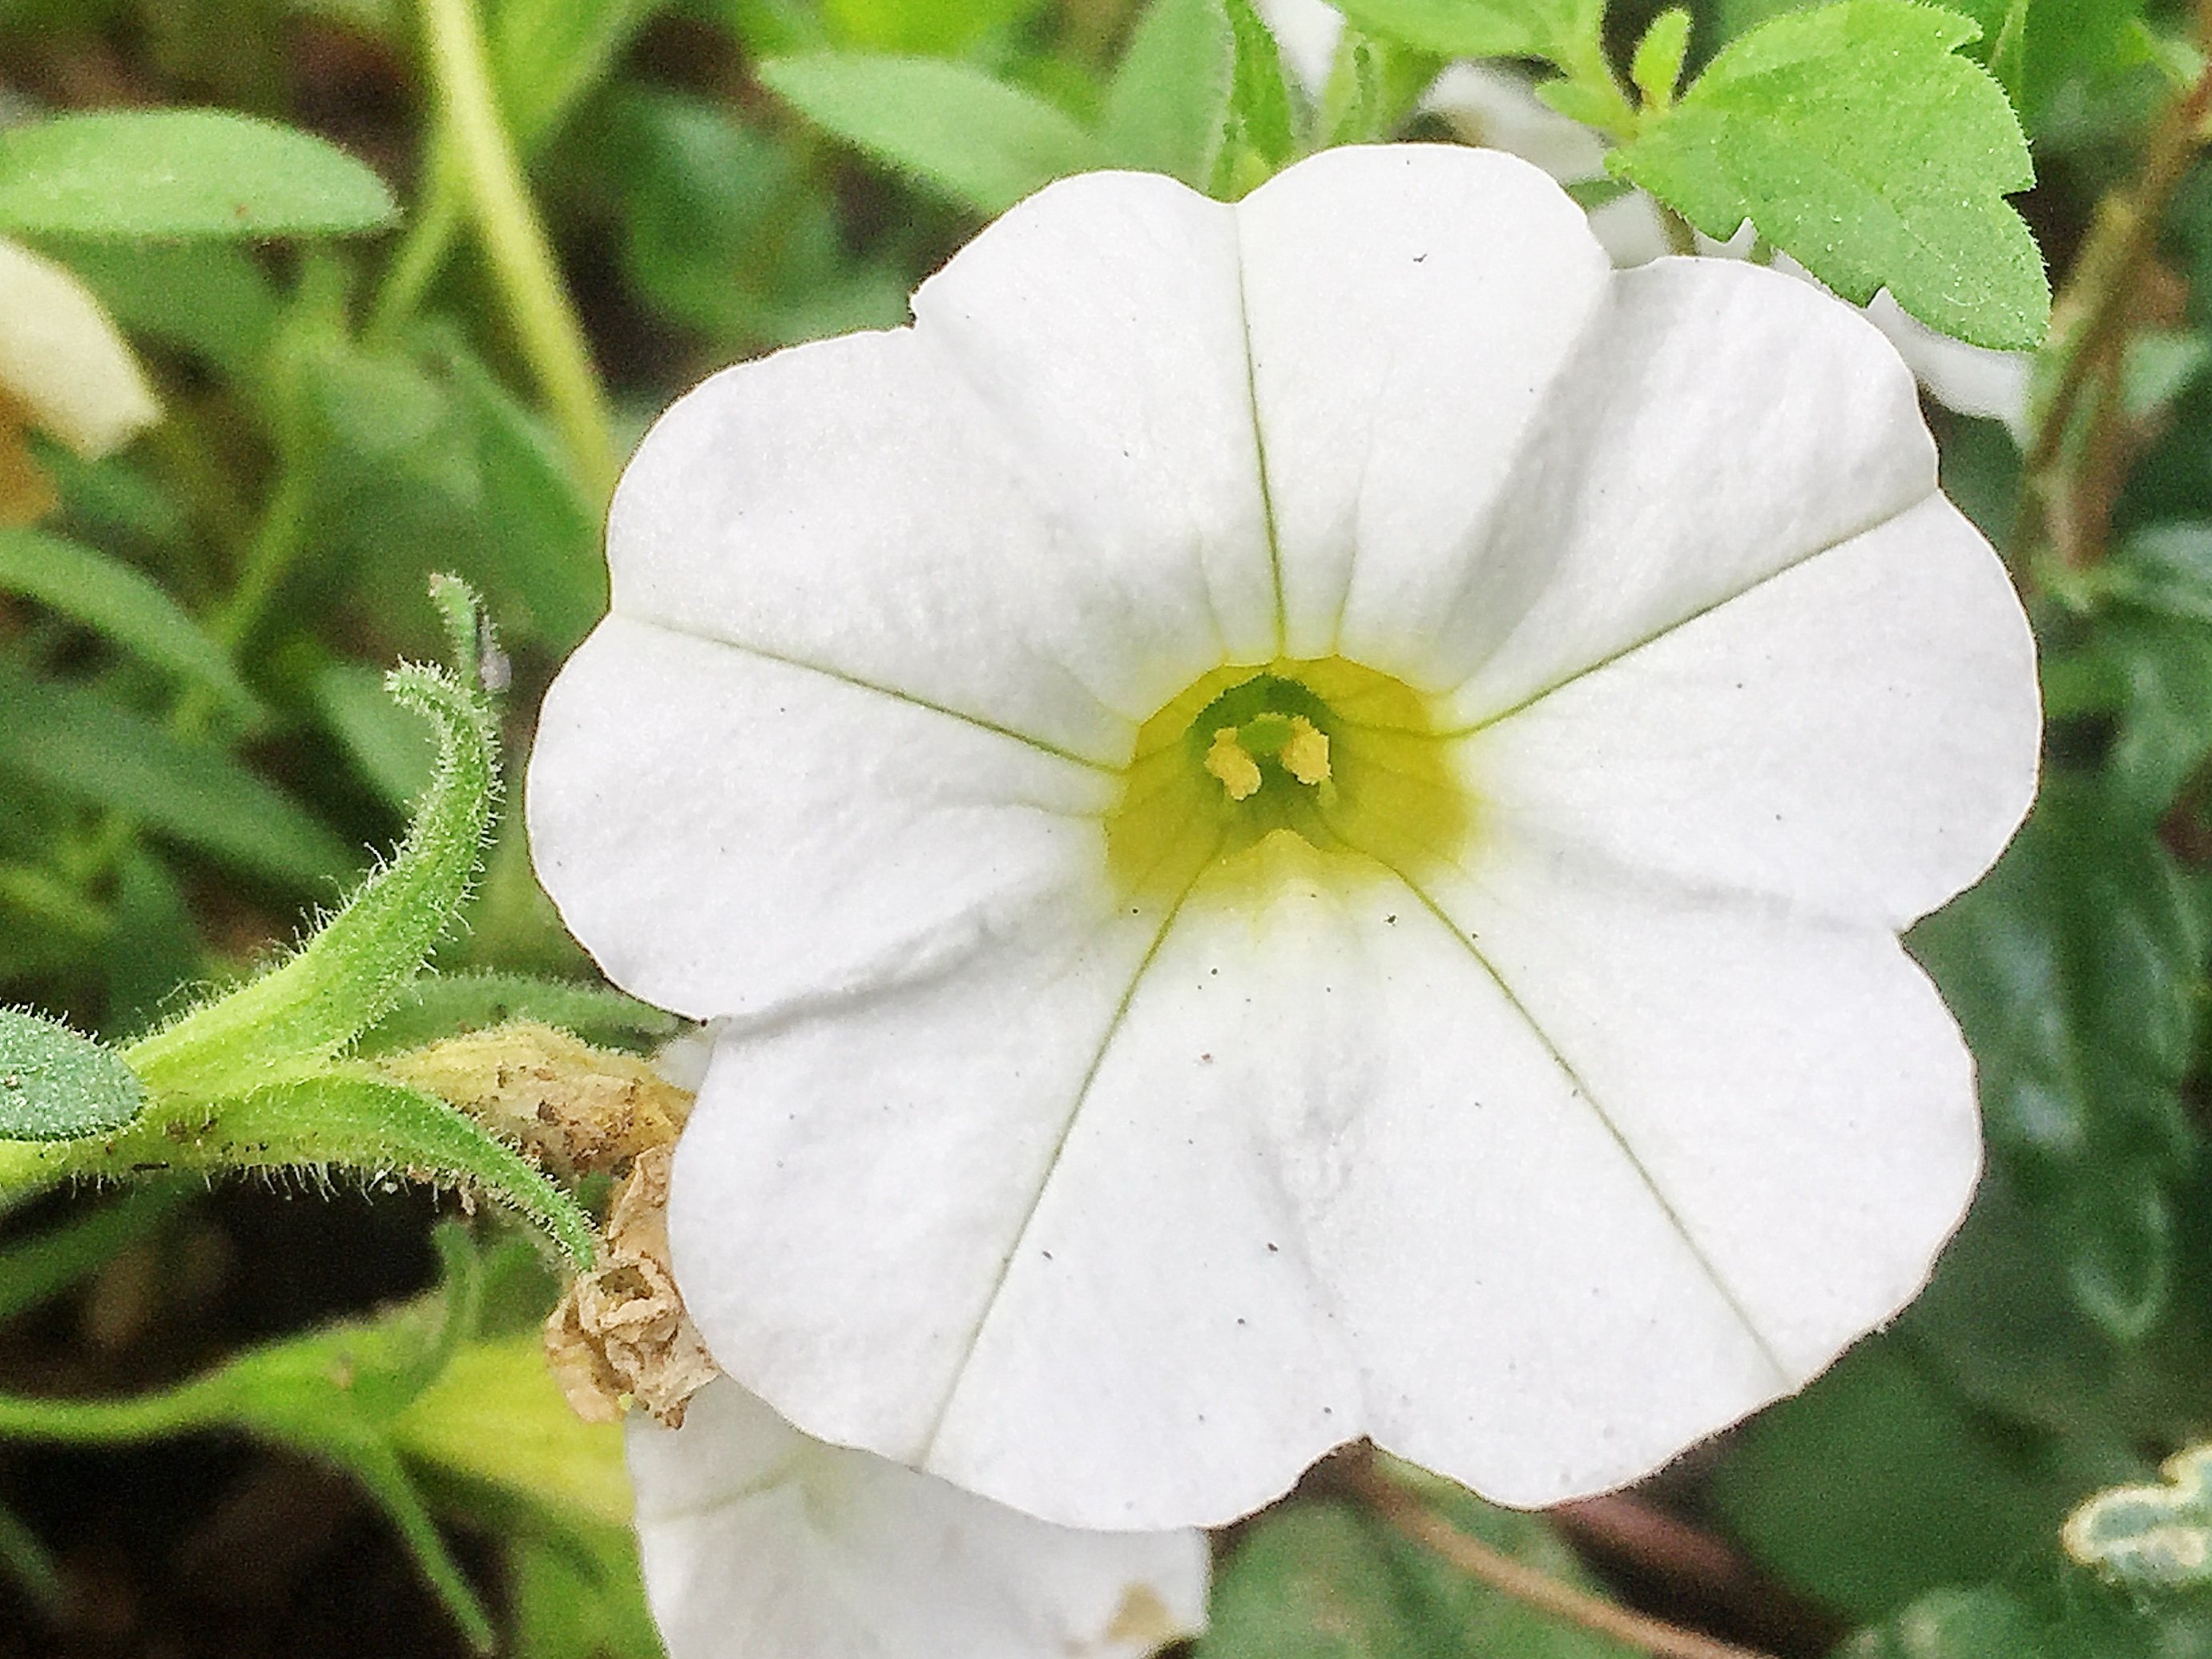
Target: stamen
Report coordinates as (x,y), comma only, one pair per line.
(1227,760)
(1304,753)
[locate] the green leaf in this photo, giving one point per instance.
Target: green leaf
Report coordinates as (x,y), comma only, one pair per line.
(727,233)
(974,139)
(353,1119)
(1656,68)
(774,28)
(495,1415)
(1859,142)
(442,1006)
(554,1487)
(582,1596)
(55,1084)
(1328,1580)
(1167,108)
(547,53)
(2150,656)
(291,1020)
(941,27)
(123,604)
(1986,1623)
(1562,30)
(209,297)
(331,1394)
(389,745)
(2001,1327)
(2150,1538)
(2072,969)
(74,741)
(1580,100)
(181,173)
(2046,46)
(542,525)
(1934,1495)
(36,1269)
(33,1568)
(1263,132)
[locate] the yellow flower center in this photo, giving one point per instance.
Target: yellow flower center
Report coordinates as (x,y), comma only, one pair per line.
(1324,757)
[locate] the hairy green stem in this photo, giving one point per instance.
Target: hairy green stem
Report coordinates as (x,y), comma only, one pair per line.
(514,241)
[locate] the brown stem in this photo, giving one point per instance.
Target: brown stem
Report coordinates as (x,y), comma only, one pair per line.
(1418,1522)
(2090,323)
(1618,1524)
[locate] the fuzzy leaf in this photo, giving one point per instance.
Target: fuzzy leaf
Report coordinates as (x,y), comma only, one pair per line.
(975,139)
(289,1022)
(439,1006)
(1860,144)
(1657,66)
(55,1084)
(353,1119)
(181,173)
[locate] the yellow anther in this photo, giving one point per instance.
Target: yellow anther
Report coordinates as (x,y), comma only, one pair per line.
(1227,760)
(1304,753)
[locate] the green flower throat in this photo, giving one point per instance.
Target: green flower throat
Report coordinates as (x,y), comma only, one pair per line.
(1324,757)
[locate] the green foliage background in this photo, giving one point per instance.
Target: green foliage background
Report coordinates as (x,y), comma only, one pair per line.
(411,280)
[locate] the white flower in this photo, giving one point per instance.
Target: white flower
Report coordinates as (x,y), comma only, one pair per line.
(63,368)
(1540,1088)
(759,1543)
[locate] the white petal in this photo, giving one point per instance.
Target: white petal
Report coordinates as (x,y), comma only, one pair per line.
(1792,1085)
(1973,380)
(849,1182)
(845,505)
(730,833)
(1857,735)
(1406,1222)
(1408,307)
(63,361)
(1100,322)
(1492,104)
(759,1543)
(1723,424)
(1040,506)
(1324,1180)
